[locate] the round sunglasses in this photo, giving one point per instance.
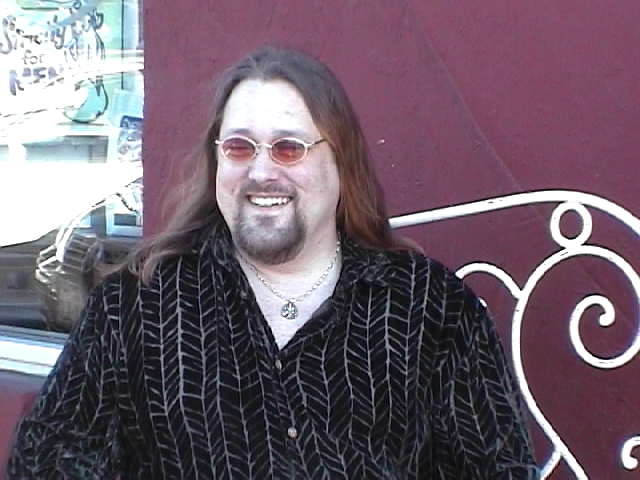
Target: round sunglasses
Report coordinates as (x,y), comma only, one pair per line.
(286,151)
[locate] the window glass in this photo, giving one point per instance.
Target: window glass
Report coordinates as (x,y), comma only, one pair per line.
(71,98)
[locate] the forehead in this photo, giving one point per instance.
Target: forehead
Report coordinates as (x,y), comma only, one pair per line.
(264,108)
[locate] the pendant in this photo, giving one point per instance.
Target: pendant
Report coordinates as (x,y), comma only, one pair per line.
(289,311)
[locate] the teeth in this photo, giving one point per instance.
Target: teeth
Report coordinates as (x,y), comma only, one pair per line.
(269,201)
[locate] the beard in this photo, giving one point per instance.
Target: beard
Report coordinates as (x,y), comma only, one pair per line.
(268,239)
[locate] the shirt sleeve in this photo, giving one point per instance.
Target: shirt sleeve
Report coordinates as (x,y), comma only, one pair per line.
(71,431)
(481,409)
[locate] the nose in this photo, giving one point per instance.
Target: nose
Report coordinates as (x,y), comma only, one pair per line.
(262,167)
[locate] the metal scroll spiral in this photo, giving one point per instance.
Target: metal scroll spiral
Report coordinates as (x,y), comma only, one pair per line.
(572,247)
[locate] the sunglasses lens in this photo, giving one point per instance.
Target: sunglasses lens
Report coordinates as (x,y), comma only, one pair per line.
(238,149)
(288,150)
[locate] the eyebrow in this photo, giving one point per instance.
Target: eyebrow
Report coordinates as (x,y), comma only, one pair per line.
(238,131)
(279,133)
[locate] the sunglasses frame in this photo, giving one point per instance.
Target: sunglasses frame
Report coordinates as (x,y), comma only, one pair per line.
(257,145)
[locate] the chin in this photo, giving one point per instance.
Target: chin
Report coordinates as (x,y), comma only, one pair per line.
(271,244)
(271,252)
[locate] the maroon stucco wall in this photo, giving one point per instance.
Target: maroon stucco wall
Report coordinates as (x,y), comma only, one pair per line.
(461,100)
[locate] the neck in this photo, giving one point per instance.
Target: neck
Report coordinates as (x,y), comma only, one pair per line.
(313,258)
(295,295)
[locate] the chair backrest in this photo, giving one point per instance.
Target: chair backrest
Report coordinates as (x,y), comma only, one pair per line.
(559,453)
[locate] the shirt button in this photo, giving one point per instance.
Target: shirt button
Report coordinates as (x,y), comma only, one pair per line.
(278,365)
(292,432)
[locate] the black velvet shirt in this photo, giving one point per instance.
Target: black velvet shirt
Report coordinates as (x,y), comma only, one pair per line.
(399,375)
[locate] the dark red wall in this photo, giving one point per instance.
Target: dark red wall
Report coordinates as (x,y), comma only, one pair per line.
(460,100)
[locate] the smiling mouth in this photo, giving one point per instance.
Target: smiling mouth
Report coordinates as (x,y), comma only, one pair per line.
(268,201)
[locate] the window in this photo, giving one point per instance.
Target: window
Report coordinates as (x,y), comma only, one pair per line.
(71,97)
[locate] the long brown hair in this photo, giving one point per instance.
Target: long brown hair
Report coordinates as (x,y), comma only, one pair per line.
(361,212)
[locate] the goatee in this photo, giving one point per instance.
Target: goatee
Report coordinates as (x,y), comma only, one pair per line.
(268,244)
(266,238)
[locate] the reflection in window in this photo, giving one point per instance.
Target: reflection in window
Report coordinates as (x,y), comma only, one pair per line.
(71,96)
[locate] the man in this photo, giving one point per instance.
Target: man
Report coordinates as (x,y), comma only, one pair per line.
(277,328)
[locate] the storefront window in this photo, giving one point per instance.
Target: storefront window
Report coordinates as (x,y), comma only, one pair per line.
(71,103)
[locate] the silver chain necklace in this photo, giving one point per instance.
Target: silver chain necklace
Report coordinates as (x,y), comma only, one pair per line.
(289,309)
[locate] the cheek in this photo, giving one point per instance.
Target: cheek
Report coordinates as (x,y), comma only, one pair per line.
(228,181)
(331,182)
(228,178)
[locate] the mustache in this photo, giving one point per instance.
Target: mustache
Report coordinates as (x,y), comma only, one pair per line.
(252,187)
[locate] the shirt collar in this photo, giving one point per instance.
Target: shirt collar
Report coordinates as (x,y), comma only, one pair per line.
(369,266)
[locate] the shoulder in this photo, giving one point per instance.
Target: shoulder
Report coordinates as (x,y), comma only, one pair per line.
(407,271)
(119,287)
(130,286)
(127,281)
(409,259)
(448,305)
(424,270)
